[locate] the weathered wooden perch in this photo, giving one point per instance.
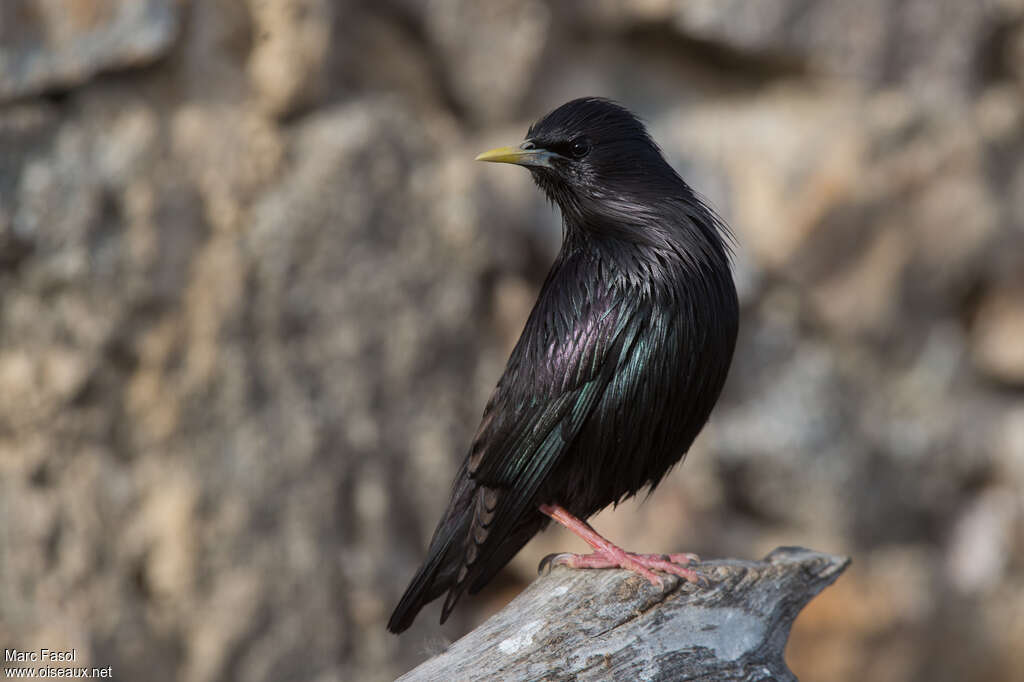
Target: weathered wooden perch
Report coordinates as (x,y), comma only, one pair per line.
(613,625)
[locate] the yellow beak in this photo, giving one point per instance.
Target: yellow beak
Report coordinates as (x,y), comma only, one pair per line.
(531,156)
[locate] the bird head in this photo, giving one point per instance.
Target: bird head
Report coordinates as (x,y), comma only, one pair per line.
(592,155)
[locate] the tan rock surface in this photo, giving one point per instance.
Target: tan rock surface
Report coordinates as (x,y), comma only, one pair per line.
(254,294)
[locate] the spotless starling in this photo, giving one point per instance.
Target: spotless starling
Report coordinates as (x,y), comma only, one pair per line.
(618,366)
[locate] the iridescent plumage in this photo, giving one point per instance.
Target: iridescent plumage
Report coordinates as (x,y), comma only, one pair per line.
(619,364)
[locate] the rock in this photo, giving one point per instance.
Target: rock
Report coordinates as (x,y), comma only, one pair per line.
(288,65)
(61,43)
(1011,446)
(981,543)
(781,180)
(922,45)
(997,333)
(489,51)
(864,297)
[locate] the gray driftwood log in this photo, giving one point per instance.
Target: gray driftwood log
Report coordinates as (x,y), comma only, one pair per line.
(614,625)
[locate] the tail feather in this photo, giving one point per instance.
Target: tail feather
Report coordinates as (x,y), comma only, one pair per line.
(464,554)
(474,575)
(481,514)
(426,586)
(506,550)
(444,557)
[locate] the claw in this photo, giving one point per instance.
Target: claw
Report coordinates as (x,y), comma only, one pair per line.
(549,562)
(684,558)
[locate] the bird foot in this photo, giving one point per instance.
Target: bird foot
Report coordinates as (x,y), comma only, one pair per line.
(643,564)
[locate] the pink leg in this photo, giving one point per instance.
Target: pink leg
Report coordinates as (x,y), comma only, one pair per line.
(607,555)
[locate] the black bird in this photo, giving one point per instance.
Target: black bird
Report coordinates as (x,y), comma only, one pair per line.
(617,369)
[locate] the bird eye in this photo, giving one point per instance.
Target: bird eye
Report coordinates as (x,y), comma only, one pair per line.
(580,147)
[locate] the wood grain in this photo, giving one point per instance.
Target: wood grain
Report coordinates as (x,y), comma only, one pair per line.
(614,625)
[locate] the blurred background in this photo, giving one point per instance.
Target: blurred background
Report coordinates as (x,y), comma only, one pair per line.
(254,294)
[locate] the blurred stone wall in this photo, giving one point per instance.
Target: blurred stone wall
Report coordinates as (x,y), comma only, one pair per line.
(254,294)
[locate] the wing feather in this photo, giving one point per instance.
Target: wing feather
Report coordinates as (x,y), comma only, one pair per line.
(523,436)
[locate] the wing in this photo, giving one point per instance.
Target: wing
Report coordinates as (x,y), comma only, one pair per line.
(570,351)
(575,343)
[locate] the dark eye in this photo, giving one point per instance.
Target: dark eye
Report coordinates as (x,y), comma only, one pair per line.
(579,147)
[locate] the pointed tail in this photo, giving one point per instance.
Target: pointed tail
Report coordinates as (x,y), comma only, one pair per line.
(464,555)
(444,557)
